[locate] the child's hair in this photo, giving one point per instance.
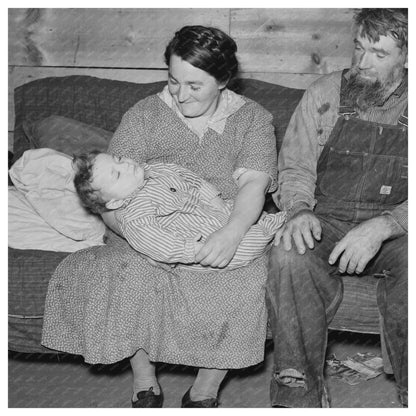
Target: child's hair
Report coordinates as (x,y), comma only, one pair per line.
(91,198)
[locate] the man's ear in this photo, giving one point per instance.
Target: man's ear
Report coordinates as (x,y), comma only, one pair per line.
(114,204)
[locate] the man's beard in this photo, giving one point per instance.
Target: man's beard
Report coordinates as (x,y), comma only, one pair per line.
(363,94)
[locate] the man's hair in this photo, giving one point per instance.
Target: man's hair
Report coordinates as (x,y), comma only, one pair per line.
(206,48)
(374,23)
(91,198)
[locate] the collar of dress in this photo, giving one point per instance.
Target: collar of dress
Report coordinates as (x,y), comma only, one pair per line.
(229,103)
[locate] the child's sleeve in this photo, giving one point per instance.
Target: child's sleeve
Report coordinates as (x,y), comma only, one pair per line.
(255,242)
(148,237)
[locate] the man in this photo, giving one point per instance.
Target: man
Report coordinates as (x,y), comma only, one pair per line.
(343,181)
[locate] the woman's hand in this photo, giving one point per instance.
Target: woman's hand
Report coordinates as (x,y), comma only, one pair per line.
(219,248)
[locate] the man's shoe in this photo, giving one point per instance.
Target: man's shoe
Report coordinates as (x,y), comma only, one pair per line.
(187,402)
(147,398)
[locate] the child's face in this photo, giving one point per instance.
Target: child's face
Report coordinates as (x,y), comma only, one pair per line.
(116,178)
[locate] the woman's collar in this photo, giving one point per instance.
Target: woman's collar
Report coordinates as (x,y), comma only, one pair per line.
(229,103)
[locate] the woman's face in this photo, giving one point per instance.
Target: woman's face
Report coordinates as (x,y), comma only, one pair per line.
(195,91)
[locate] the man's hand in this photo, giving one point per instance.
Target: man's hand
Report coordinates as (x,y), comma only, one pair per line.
(361,244)
(303,227)
(219,248)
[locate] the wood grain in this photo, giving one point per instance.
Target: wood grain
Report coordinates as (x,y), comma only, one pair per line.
(118,38)
(308,41)
(291,47)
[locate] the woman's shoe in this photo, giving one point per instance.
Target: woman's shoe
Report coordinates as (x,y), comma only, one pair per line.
(147,398)
(187,402)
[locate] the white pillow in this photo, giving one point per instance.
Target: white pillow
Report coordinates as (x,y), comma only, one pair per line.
(45,177)
(27,230)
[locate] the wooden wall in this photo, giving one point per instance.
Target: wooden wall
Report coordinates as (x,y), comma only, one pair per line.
(291,47)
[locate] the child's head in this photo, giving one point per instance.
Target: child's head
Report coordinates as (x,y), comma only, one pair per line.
(103,181)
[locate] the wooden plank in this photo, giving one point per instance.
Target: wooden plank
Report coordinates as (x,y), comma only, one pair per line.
(22,75)
(312,41)
(298,81)
(117,38)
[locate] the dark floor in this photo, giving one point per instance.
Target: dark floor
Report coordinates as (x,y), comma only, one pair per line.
(65,381)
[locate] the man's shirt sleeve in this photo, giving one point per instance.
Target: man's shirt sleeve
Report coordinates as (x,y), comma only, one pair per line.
(307,133)
(400,215)
(298,159)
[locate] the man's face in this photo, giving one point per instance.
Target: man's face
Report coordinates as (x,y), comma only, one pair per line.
(377,66)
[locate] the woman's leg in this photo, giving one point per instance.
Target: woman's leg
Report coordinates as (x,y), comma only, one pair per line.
(144,373)
(207,384)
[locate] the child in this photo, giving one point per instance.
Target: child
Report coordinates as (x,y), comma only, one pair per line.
(163,210)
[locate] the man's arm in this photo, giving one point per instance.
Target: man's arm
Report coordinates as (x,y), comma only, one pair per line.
(400,215)
(298,159)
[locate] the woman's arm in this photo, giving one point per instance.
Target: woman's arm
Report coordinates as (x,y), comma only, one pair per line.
(221,245)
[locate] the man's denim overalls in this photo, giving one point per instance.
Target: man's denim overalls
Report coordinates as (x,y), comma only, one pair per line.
(362,172)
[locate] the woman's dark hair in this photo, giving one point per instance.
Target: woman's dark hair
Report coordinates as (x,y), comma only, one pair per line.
(383,22)
(91,198)
(206,48)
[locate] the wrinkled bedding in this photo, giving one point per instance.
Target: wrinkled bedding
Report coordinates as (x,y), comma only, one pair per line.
(45,212)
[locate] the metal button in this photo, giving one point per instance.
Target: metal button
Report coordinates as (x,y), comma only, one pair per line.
(173,189)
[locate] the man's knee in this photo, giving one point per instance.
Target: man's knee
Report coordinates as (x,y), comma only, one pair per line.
(282,261)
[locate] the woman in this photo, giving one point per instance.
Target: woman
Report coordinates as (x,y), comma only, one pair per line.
(109,303)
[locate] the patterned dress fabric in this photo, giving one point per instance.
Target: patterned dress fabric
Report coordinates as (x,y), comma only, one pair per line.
(106,302)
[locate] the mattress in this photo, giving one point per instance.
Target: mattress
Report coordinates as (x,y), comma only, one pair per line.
(29,275)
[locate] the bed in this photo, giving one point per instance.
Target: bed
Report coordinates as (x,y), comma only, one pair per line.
(98,105)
